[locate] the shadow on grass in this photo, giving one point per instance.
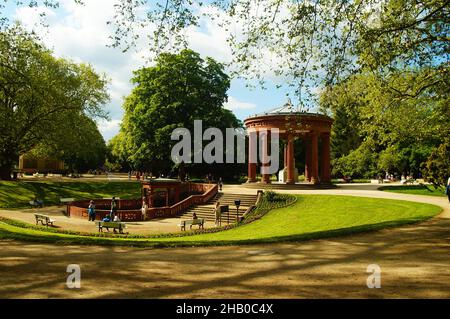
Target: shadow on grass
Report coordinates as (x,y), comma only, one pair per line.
(88,239)
(416,189)
(18,194)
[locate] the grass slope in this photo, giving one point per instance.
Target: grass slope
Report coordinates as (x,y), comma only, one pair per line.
(415,190)
(18,194)
(310,217)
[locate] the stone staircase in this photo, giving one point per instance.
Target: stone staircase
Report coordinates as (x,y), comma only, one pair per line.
(206,211)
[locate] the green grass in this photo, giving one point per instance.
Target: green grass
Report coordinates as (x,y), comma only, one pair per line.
(18,194)
(415,190)
(310,217)
(354,181)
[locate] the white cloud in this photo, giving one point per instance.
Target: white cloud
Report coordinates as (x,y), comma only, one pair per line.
(109,128)
(81,33)
(234,104)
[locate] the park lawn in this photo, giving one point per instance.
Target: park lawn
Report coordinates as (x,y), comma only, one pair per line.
(18,194)
(429,190)
(310,217)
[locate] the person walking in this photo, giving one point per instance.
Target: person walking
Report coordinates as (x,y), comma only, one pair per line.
(113,208)
(220,184)
(91,211)
(217,213)
(144,209)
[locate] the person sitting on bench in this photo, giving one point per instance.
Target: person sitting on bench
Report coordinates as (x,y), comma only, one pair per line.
(38,202)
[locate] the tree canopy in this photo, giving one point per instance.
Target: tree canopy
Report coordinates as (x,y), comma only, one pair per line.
(308,43)
(377,131)
(80,144)
(179,89)
(41,95)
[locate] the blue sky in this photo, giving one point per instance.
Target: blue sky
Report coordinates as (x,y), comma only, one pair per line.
(81,34)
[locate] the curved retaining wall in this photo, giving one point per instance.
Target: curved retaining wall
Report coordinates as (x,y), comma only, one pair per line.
(130,209)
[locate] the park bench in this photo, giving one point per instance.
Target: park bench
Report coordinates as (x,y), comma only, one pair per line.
(66,200)
(114,225)
(199,221)
(36,203)
(44,219)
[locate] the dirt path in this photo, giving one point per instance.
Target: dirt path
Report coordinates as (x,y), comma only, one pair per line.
(415,263)
(155,226)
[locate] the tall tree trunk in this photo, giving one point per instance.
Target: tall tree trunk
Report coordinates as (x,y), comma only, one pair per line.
(5,172)
(8,157)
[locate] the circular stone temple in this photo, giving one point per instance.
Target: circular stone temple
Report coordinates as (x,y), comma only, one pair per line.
(314,131)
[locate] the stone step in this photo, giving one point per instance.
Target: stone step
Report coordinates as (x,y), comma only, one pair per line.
(206,211)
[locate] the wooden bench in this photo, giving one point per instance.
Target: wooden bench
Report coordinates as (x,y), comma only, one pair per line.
(44,219)
(114,225)
(66,200)
(199,221)
(36,203)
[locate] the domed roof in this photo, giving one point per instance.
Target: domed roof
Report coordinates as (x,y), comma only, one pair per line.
(287,109)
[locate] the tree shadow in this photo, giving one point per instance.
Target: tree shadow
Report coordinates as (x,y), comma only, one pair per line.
(335,267)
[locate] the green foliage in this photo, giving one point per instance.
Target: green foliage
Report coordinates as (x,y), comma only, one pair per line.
(389,160)
(80,145)
(18,194)
(437,167)
(270,196)
(179,89)
(377,130)
(40,96)
(310,42)
(358,163)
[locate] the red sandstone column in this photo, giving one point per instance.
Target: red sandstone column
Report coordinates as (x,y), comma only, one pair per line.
(252,156)
(314,159)
(290,161)
(308,160)
(265,153)
(326,173)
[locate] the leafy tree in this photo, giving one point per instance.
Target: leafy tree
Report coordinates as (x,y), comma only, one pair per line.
(437,167)
(39,93)
(370,114)
(311,42)
(179,89)
(80,145)
(361,162)
(389,159)
(118,152)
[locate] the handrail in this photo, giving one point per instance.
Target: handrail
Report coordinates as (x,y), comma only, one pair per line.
(186,203)
(126,208)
